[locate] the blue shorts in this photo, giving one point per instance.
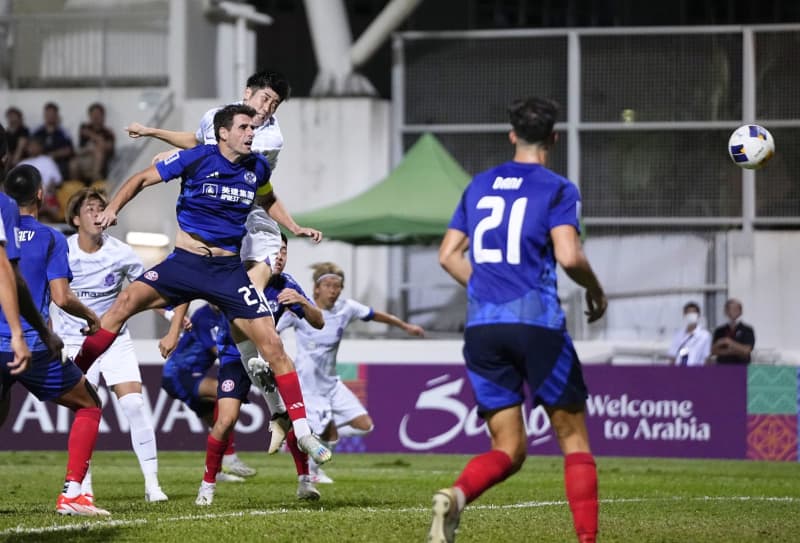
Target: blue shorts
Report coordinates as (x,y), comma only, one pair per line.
(183,385)
(46,378)
(500,357)
(220,280)
(233,381)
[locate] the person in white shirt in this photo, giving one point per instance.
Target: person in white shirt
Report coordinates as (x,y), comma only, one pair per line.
(333,410)
(691,345)
(100,264)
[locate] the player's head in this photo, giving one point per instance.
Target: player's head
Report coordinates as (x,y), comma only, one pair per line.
(83,207)
(283,254)
(264,92)
(233,126)
(532,120)
(24,184)
(328,283)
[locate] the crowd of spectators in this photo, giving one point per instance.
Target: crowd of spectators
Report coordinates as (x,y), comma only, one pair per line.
(65,168)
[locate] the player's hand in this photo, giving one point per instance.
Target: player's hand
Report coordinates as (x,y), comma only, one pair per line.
(187,324)
(315,235)
(290,296)
(167,344)
(414,330)
(597,303)
(136,130)
(92,325)
(22,355)
(105,218)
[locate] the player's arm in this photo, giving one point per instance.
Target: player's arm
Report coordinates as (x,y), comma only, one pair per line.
(453,257)
(393,320)
(64,298)
(311,312)
(569,254)
(133,186)
(274,206)
(182,140)
(30,311)
(177,323)
(9,302)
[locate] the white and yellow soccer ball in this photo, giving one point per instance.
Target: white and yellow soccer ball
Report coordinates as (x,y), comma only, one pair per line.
(751,146)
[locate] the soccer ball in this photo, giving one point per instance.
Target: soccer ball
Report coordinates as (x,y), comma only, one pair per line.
(751,146)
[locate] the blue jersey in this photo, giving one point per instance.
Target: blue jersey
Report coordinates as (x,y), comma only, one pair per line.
(508,213)
(44,258)
(216,194)
(195,350)
(9,217)
(227,347)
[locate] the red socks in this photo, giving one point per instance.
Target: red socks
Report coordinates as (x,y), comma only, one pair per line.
(231,448)
(82,437)
(300,458)
(215,449)
(580,480)
(289,389)
(93,346)
(483,472)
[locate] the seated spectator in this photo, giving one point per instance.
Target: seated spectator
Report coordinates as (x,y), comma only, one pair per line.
(733,341)
(17,135)
(51,180)
(57,143)
(691,344)
(95,148)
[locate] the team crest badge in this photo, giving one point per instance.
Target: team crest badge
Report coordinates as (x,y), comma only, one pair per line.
(109,280)
(227,385)
(250,177)
(151,275)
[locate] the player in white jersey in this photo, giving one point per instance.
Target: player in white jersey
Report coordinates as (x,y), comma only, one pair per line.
(100,264)
(333,409)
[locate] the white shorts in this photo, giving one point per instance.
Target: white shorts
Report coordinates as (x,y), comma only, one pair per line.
(118,364)
(340,406)
(262,241)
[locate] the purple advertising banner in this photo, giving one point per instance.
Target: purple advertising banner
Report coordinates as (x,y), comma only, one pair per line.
(631,411)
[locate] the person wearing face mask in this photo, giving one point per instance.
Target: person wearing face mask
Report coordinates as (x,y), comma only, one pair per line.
(734,340)
(691,344)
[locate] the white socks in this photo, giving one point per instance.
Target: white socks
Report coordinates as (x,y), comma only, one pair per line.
(86,484)
(143,437)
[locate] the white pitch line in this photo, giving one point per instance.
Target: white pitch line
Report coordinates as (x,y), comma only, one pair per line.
(100,524)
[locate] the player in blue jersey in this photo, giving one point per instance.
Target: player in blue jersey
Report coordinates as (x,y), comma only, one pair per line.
(46,270)
(219,185)
(517,221)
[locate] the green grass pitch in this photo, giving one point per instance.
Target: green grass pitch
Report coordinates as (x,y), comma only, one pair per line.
(385,498)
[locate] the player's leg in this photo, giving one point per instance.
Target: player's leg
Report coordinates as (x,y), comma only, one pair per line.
(580,470)
(261,332)
(233,386)
(349,414)
(264,380)
(137,297)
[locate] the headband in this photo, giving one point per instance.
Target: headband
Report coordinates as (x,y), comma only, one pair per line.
(328,275)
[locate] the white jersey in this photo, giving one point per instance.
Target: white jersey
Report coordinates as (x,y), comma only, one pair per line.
(268,141)
(97,280)
(316,349)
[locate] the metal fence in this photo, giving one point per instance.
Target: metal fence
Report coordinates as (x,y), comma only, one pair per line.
(646,114)
(86,48)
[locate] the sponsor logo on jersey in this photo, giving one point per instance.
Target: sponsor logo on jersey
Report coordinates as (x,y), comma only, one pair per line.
(210,189)
(151,275)
(250,177)
(262,309)
(109,280)
(506,183)
(227,385)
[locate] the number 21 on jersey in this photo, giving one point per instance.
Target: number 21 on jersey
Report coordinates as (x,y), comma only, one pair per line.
(516,216)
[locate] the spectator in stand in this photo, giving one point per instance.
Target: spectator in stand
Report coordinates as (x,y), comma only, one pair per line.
(57,144)
(51,180)
(691,345)
(95,148)
(17,135)
(733,341)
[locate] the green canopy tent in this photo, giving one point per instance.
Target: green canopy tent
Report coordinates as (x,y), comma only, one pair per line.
(413,205)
